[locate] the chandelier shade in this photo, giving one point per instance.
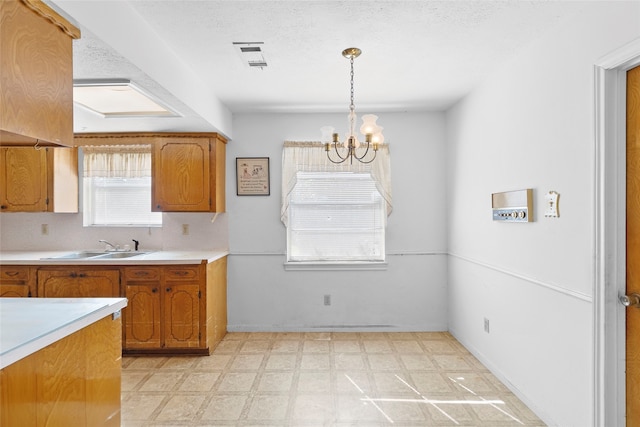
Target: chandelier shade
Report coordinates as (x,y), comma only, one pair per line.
(351,147)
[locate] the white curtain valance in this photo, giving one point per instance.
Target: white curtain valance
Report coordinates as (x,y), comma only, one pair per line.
(117,161)
(303,156)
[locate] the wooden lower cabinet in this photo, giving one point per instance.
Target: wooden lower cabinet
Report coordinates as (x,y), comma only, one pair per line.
(78,282)
(142,324)
(17,281)
(175,308)
(164,307)
(181,318)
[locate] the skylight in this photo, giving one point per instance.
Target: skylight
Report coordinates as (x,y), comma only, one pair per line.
(117,98)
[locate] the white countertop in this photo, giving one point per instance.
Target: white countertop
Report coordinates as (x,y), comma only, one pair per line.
(28,325)
(152,257)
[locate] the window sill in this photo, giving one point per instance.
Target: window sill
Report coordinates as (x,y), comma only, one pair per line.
(335,266)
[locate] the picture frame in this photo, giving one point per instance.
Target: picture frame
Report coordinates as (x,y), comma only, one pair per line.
(252,176)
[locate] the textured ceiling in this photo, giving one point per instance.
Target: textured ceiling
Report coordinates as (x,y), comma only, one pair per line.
(417,55)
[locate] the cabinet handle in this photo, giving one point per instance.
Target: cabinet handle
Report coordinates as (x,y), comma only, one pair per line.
(12,273)
(168,289)
(141,273)
(3,207)
(73,274)
(82,275)
(181,273)
(154,290)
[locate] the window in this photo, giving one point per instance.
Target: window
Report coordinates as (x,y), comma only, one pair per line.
(334,214)
(117,186)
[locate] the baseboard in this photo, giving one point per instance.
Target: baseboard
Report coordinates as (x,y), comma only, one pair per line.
(504,380)
(338,328)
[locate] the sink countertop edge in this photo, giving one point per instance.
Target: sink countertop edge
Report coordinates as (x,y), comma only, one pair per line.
(150,258)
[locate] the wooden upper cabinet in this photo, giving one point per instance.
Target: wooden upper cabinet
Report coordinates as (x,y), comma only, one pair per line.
(43,180)
(36,74)
(23,180)
(182,171)
(189,174)
(188,169)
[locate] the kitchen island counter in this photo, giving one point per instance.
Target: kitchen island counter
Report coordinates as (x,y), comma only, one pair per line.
(27,325)
(61,361)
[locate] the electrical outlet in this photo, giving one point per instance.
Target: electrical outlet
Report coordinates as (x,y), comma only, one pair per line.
(44,229)
(486,325)
(185,229)
(327,300)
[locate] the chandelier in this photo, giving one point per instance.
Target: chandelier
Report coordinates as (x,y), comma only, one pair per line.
(352,148)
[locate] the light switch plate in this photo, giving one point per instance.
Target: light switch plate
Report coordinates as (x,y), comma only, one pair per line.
(551,202)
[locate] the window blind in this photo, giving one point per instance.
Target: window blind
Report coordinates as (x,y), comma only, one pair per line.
(117,186)
(336,216)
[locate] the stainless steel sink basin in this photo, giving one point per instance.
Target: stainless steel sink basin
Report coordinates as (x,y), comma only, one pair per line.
(90,255)
(78,255)
(121,254)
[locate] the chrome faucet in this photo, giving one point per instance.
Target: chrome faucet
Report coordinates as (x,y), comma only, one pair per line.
(115,247)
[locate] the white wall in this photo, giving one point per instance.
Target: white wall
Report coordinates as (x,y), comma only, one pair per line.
(530,125)
(22,232)
(410,295)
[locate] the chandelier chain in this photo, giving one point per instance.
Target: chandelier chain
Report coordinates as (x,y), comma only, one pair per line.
(352,106)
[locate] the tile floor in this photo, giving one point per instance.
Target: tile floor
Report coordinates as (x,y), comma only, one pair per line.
(320,379)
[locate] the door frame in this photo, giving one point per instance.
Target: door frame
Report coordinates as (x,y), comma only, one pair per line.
(609,233)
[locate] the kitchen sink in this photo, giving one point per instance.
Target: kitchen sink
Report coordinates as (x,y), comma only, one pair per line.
(89,255)
(121,254)
(78,255)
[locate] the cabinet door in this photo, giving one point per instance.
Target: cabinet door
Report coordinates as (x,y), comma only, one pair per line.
(181,175)
(142,316)
(13,291)
(78,283)
(182,315)
(23,179)
(16,281)
(36,70)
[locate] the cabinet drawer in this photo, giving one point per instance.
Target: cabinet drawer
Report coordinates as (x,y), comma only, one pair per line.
(142,273)
(182,273)
(14,274)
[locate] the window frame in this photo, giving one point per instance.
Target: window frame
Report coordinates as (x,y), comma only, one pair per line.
(377,213)
(121,168)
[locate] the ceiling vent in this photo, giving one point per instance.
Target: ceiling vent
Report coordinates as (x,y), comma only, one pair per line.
(252,54)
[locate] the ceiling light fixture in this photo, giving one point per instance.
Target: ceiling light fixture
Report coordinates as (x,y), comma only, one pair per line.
(117,98)
(372,132)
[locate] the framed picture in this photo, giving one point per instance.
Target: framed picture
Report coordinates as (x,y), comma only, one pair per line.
(252,176)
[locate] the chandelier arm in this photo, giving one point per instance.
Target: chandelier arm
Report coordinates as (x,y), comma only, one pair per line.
(337,162)
(363,154)
(342,159)
(368,161)
(335,147)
